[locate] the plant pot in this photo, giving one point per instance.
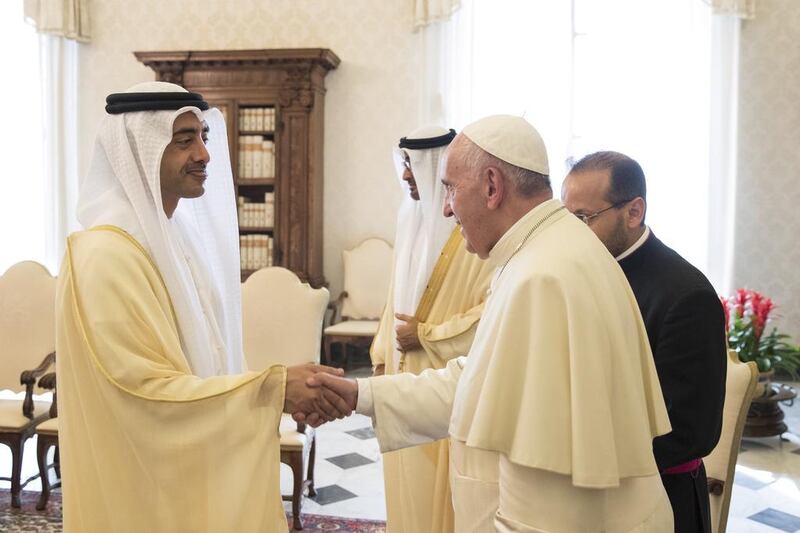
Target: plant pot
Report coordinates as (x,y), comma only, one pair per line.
(764,381)
(765,416)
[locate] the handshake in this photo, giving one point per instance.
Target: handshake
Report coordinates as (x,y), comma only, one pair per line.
(316,394)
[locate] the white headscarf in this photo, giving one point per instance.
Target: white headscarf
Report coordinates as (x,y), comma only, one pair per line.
(197,251)
(422,229)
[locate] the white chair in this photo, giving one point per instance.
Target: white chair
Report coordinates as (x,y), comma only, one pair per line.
(357,311)
(720,464)
(282,324)
(27,345)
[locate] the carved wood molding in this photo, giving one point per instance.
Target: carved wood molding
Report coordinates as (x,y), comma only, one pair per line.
(292,81)
(297,62)
(297,89)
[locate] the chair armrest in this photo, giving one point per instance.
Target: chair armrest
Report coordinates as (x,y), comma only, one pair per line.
(336,307)
(48,382)
(715,486)
(28,378)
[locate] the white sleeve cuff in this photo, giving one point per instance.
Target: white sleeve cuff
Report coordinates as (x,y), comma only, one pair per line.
(364,405)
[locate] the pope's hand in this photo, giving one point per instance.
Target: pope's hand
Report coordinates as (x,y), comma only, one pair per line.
(300,397)
(407,338)
(338,387)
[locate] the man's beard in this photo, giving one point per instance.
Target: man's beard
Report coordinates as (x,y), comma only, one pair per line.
(617,241)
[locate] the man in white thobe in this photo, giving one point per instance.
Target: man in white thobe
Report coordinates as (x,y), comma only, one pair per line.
(551,417)
(432,312)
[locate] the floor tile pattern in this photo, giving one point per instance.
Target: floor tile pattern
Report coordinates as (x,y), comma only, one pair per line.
(349,476)
(777,519)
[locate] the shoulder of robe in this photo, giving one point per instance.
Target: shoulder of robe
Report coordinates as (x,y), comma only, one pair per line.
(107,249)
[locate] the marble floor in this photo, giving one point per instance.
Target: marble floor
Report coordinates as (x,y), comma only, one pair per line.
(766,493)
(349,469)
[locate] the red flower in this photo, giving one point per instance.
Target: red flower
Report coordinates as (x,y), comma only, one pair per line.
(727,312)
(740,300)
(747,316)
(761,311)
(755,301)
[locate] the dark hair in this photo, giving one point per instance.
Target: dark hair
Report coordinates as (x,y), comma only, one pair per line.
(627,177)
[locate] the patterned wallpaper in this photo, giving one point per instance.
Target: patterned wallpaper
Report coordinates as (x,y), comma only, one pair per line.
(371,100)
(767,231)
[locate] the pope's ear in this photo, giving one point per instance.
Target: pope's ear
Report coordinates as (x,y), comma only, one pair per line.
(495,187)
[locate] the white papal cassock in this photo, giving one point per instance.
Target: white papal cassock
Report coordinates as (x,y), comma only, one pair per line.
(551,417)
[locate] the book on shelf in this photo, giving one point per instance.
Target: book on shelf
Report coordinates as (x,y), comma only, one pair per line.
(269,209)
(257,119)
(268,158)
(256,157)
(255,251)
(257,214)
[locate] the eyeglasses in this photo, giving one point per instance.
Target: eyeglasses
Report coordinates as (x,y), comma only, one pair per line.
(587,219)
(406,159)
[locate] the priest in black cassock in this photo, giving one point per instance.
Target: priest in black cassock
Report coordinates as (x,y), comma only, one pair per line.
(683,317)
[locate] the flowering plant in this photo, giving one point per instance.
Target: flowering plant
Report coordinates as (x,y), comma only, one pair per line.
(746,316)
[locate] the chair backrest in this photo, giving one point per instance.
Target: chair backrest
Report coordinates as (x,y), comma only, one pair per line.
(721,462)
(367,274)
(281,318)
(27,320)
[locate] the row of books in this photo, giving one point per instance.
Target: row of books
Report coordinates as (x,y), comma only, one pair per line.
(257,119)
(257,214)
(256,157)
(255,251)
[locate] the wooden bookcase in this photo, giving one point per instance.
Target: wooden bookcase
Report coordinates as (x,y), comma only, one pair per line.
(292,83)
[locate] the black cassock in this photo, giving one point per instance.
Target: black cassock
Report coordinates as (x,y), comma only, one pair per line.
(686,327)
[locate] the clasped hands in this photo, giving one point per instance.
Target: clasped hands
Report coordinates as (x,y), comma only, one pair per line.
(316,394)
(407,337)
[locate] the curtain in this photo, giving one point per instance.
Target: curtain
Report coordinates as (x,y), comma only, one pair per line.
(745,9)
(429,11)
(655,80)
(58,66)
(723,152)
(64,18)
(445,84)
(23,202)
(61,25)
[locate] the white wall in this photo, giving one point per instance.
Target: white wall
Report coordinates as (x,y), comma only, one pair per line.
(767,232)
(371,100)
